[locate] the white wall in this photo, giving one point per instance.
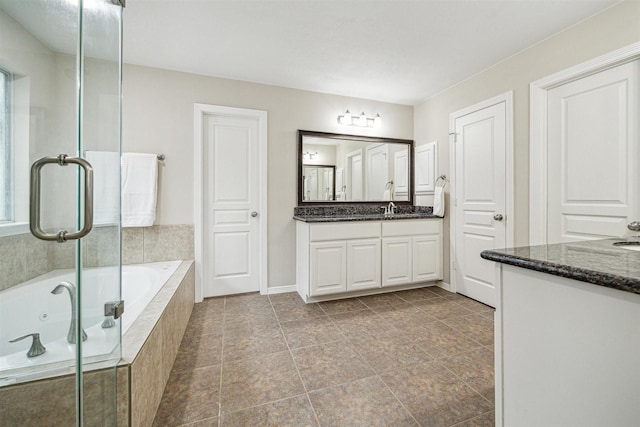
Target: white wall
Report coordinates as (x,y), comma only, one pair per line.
(158,118)
(614,28)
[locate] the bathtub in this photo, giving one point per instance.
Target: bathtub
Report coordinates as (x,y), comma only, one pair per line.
(31,307)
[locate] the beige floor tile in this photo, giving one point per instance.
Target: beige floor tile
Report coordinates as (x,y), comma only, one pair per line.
(209,422)
(266,341)
(475,326)
(474,306)
(434,395)
(416,294)
(303,333)
(382,300)
(440,340)
(297,311)
(484,420)
(256,381)
(476,369)
(330,364)
(389,353)
(442,308)
(342,306)
(190,396)
(198,351)
(292,412)
(366,402)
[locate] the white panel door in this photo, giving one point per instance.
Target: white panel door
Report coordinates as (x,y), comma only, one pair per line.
(480,181)
(328,265)
(354,176)
(427,262)
(396,261)
(363,264)
(231,247)
(593,156)
(377,172)
(401,173)
(426,168)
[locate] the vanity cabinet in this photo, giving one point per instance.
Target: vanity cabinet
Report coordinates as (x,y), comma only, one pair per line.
(339,257)
(411,252)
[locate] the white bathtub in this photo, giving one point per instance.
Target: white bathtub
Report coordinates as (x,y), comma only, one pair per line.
(31,307)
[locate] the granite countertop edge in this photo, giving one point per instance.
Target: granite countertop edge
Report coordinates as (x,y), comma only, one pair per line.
(600,278)
(348,218)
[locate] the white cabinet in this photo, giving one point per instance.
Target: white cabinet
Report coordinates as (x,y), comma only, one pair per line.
(363,264)
(328,267)
(411,252)
(425,168)
(396,261)
(338,257)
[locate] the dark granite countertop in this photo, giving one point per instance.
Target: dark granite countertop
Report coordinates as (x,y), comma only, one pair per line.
(598,262)
(364,212)
(363,217)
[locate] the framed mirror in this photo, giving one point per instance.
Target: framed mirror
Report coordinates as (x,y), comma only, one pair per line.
(340,168)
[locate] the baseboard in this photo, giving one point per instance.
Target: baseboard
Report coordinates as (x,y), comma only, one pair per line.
(281,289)
(446,286)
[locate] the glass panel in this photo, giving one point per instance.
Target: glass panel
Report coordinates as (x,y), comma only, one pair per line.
(46,285)
(100,145)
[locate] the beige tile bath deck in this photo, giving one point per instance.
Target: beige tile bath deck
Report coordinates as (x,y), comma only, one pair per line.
(418,357)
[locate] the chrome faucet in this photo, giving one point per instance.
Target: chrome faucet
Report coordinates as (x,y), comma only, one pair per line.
(71,288)
(390,209)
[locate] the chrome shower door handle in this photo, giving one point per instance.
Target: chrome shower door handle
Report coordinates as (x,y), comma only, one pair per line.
(34,199)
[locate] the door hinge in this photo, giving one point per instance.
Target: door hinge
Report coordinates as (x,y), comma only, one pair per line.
(455,136)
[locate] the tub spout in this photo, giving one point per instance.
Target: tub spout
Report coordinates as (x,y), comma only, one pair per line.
(71,288)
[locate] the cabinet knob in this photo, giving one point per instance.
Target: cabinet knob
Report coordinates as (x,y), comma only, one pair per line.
(498,217)
(634,226)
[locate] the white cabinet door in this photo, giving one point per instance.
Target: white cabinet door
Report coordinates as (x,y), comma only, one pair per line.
(396,261)
(427,261)
(425,169)
(328,267)
(363,264)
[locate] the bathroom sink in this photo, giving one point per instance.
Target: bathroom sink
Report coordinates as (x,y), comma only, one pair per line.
(633,245)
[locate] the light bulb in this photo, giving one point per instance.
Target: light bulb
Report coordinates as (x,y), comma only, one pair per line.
(346,119)
(363,120)
(377,122)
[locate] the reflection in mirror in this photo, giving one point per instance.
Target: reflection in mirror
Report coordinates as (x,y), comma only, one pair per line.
(319,182)
(349,168)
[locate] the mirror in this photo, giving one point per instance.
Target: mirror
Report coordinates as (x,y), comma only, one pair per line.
(338,168)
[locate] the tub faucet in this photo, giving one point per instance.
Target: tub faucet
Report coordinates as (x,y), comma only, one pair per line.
(71,288)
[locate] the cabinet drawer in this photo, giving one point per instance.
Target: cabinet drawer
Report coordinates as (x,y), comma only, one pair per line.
(344,231)
(410,227)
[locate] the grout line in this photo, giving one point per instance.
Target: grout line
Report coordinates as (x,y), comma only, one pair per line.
(224,320)
(295,365)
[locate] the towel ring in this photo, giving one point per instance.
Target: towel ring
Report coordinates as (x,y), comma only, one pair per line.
(442,178)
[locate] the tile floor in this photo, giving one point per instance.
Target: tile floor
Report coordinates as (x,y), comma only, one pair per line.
(419,357)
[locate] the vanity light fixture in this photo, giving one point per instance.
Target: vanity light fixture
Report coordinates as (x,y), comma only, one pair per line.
(308,155)
(362,121)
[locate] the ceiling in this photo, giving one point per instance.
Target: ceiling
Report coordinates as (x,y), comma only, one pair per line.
(396,51)
(400,51)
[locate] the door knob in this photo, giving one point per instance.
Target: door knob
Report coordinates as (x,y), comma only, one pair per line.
(254,214)
(498,217)
(634,226)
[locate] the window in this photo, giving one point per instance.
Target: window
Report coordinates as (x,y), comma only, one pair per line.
(6,181)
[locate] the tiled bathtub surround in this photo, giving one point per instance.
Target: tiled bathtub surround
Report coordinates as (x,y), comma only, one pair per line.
(348,210)
(409,358)
(157,243)
(25,257)
(148,351)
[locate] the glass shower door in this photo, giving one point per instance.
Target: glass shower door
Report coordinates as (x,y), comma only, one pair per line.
(60,144)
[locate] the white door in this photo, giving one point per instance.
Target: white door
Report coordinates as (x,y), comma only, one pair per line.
(311,178)
(401,173)
(377,172)
(592,155)
(480,196)
(231,204)
(354,175)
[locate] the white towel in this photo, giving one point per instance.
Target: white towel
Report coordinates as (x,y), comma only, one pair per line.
(106,186)
(139,189)
(438,202)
